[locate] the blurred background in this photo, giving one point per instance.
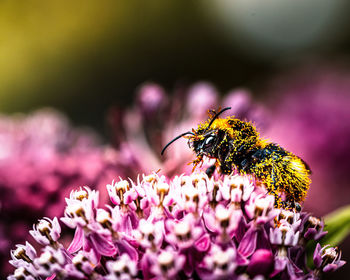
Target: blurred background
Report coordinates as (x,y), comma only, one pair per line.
(124,77)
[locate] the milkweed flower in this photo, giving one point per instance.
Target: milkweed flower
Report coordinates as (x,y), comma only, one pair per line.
(46,231)
(327,258)
(161,228)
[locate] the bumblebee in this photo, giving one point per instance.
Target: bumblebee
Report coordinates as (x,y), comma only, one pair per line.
(237,147)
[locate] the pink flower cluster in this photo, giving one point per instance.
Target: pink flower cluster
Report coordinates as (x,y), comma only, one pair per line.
(41,158)
(190,227)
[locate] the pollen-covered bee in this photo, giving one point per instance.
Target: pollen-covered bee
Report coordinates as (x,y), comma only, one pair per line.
(237,147)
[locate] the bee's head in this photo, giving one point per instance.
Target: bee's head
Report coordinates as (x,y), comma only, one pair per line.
(203,140)
(204,144)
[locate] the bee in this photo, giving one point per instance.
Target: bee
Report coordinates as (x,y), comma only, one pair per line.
(237,147)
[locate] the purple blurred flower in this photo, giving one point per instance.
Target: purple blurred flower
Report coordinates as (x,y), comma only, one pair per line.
(310,107)
(80,267)
(50,262)
(21,273)
(122,269)
(150,235)
(167,264)
(219,263)
(180,234)
(41,157)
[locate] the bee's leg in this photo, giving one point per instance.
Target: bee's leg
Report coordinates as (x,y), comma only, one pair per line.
(196,162)
(225,162)
(228,166)
(210,170)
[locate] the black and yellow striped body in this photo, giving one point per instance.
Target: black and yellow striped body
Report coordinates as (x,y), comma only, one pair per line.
(236,145)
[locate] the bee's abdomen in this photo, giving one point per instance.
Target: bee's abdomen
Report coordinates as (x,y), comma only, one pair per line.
(281,172)
(295,178)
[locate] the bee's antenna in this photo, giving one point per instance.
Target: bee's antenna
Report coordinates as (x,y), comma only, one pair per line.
(216,116)
(177,137)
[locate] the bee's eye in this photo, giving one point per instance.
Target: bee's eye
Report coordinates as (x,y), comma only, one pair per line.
(210,140)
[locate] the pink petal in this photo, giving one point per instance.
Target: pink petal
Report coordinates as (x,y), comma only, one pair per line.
(102,245)
(248,243)
(203,243)
(77,241)
(51,277)
(317,255)
(125,247)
